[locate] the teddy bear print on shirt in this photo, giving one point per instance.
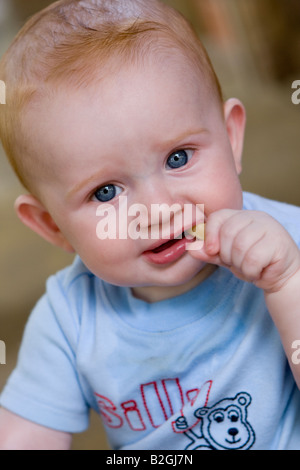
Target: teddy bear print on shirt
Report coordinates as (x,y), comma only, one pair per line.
(223,426)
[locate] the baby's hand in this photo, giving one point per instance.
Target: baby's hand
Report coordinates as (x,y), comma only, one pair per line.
(253,245)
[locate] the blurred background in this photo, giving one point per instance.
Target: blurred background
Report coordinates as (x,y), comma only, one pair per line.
(255,48)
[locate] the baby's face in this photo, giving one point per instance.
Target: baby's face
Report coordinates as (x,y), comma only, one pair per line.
(149,135)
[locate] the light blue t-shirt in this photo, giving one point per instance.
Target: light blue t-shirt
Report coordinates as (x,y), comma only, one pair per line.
(204,370)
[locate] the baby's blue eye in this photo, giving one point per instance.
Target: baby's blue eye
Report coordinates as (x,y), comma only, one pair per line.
(106,193)
(178,159)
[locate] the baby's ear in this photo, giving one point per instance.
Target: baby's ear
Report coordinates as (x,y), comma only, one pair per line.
(235,119)
(34,215)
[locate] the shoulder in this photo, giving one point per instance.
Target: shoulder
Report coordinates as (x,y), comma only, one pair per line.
(70,286)
(44,387)
(287,215)
(71,275)
(67,299)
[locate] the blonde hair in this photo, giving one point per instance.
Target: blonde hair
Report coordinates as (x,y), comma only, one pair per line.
(64,42)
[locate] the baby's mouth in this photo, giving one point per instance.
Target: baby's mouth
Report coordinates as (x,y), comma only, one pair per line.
(168,244)
(167,252)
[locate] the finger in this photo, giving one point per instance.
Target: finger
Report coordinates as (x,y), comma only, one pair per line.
(230,232)
(202,256)
(208,250)
(222,230)
(256,259)
(212,230)
(197,250)
(244,240)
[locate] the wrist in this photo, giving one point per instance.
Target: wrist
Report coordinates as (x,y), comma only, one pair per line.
(286,279)
(284,301)
(283,306)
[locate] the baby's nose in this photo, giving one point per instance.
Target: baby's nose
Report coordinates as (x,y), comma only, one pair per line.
(160,200)
(155,191)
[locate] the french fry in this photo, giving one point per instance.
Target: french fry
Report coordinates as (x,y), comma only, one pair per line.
(198,231)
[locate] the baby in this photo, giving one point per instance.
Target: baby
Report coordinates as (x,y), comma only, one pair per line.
(177,343)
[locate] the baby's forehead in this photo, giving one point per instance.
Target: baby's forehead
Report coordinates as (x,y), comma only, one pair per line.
(117,79)
(113,79)
(132,100)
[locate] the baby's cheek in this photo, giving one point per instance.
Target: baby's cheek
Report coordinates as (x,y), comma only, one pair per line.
(225,194)
(110,260)
(112,251)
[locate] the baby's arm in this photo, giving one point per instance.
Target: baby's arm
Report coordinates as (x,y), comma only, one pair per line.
(256,248)
(284,307)
(17,433)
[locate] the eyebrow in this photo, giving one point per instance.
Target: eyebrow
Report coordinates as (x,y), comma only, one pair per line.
(167,143)
(180,138)
(78,187)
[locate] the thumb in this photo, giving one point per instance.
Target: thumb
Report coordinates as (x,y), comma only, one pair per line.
(197,250)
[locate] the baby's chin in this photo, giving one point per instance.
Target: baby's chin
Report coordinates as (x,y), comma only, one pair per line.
(174,284)
(179,275)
